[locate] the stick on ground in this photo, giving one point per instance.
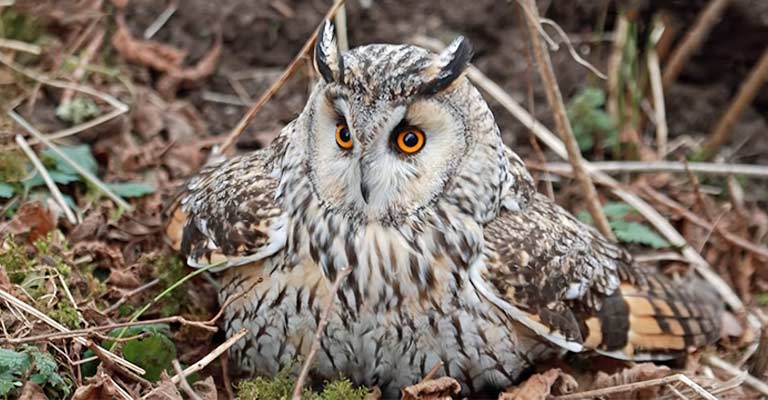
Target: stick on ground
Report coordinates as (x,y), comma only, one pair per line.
(555,98)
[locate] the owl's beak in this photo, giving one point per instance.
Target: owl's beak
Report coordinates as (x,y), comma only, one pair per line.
(365,191)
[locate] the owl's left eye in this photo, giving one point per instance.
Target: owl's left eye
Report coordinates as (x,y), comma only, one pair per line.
(343,137)
(410,140)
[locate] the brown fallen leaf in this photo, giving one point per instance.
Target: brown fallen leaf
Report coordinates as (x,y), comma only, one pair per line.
(540,386)
(32,220)
(166,390)
(31,391)
(637,373)
(434,389)
(206,389)
(97,387)
(156,55)
(189,77)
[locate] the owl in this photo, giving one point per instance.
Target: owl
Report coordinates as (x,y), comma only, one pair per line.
(396,170)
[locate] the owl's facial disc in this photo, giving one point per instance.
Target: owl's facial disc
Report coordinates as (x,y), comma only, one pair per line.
(383,160)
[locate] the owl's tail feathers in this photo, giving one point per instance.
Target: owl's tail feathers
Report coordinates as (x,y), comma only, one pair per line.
(656,321)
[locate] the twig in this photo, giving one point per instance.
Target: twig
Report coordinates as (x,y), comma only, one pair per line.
(183,382)
(203,362)
(119,107)
(657,89)
(759,250)
(571,50)
(341,29)
(18,45)
(657,220)
(564,126)
(47,178)
(628,387)
(84,60)
(614,65)
(82,171)
(327,307)
(130,294)
(53,323)
(693,40)
(206,325)
(756,171)
(161,20)
(758,364)
(732,370)
(747,92)
(266,96)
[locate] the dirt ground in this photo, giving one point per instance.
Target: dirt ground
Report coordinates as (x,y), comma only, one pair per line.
(166,136)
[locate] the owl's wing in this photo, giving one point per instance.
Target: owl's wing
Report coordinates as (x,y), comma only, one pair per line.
(229,213)
(565,282)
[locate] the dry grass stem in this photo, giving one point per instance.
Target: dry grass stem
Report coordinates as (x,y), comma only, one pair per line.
(327,308)
(693,40)
(119,107)
(747,92)
(756,248)
(555,99)
(210,357)
(54,324)
(733,370)
(183,383)
(266,96)
(55,192)
(161,20)
(629,387)
(657,90)
(88,54)
(80,170)
(748,170)
(18,45)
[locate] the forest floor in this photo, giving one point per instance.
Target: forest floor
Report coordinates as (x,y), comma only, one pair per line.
(138,92)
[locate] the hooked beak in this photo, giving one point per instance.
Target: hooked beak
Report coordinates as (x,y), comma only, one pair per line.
(365,191)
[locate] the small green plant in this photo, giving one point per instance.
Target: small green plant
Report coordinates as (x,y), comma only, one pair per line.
(627,231)
(35,365)
(280,387)
(589,120)
(77,111)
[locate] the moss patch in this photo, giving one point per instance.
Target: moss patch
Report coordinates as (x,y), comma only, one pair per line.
(280,387)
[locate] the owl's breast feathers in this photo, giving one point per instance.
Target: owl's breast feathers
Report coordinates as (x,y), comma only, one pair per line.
(568,284)
(539,265)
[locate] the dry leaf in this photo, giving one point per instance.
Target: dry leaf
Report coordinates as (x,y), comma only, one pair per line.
(153,54)
(638,373)
(97,387)
(32,391)
(166,390)
(206,389)
(434,389)
(32,220)
(170,82)
(539,386)
(100,251)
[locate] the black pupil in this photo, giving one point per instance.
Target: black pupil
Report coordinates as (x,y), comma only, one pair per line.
(410,139)
(344,134)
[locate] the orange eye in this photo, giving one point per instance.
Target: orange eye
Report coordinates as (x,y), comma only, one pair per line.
(410,140)
(343,137)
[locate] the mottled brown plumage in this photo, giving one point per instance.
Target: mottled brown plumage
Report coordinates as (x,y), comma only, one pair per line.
(454,257)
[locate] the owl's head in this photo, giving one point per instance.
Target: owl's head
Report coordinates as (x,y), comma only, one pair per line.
(392,127)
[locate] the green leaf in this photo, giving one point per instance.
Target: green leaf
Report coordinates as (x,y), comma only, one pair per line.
(6,190)
(56,176)
(45,370)
(129,189)
(77,111)
(13,366)
(154,353)
(80,154)
(633,232)
(617,210)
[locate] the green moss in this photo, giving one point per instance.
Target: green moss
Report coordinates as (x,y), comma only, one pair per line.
(13,257)
(280,387)
(14,25)
(169,270)
(13,166)
(65,314)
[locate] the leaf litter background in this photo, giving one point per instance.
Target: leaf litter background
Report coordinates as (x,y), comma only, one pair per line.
(191,82)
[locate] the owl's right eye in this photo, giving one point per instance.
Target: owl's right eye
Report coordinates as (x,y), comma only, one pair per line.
(343,137)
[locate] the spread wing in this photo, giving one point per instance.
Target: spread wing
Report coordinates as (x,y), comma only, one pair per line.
(229,212)
(564,281)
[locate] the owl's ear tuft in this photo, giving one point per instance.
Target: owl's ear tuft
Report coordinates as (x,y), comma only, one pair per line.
(449,65)
(328,60)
